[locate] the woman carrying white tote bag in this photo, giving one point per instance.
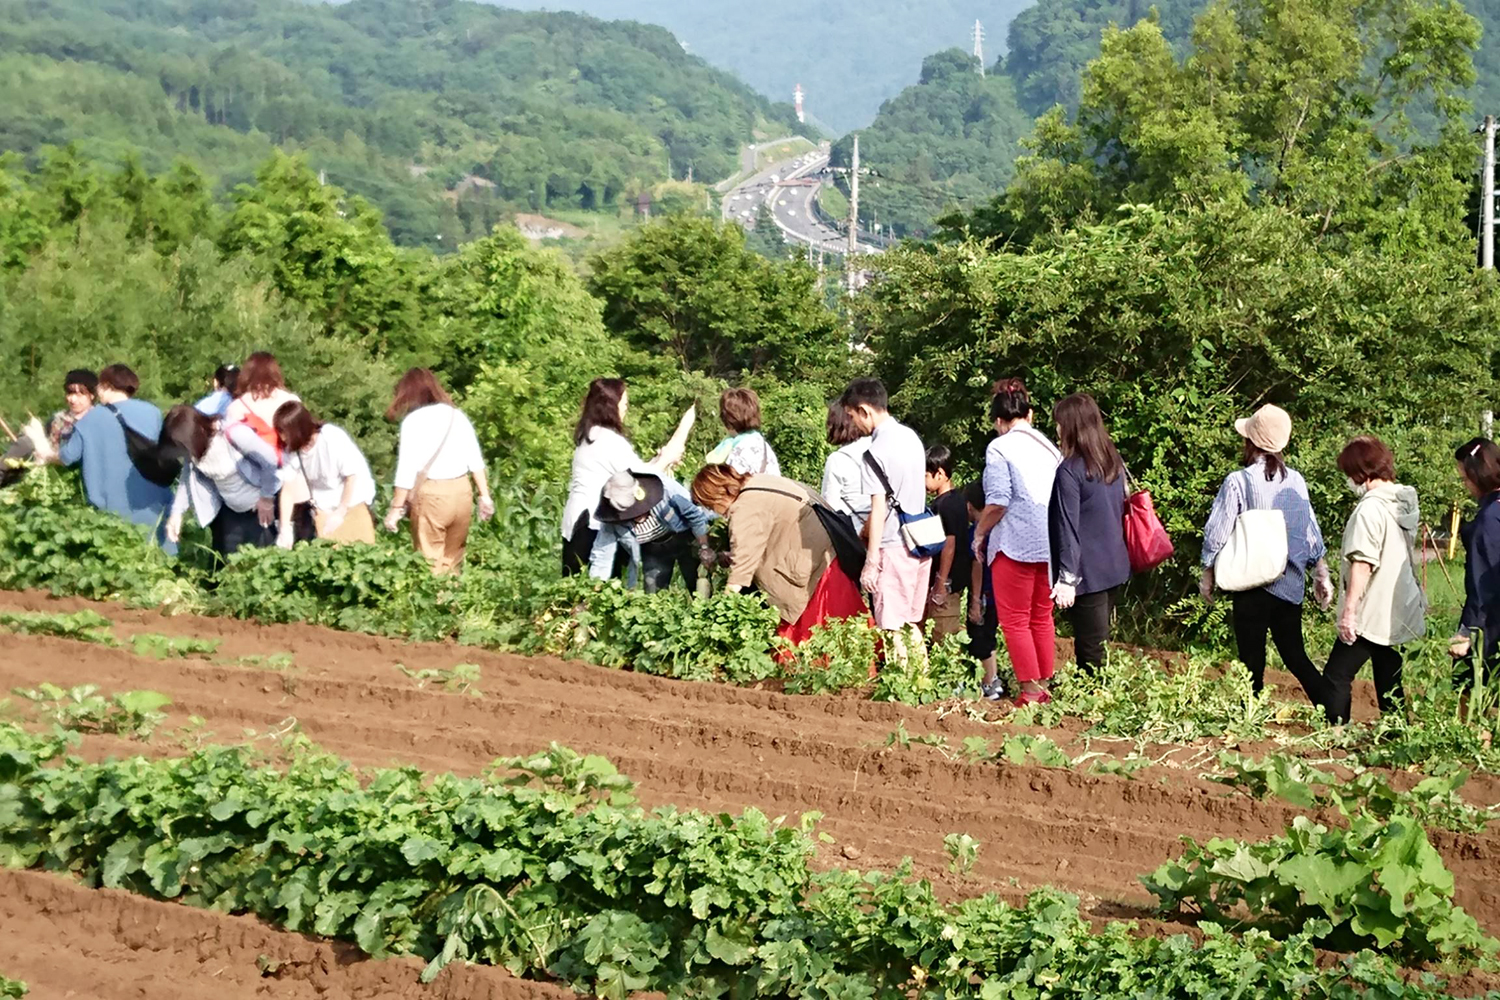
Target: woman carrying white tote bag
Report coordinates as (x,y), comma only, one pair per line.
(1260,543)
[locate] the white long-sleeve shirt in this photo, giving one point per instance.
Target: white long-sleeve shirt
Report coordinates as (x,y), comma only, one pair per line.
(594,461)
(439,434)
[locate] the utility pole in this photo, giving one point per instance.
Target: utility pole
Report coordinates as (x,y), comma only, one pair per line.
(1487,199)
(854,214)
(978,34)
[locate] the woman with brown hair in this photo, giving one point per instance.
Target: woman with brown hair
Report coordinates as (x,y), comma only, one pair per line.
(337,475)
(746,448)
(437,455)
(844,468)
(260,390)
(778,542)
(229,479)
(1086,526)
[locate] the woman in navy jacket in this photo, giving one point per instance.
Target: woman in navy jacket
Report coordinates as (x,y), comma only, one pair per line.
(1479,465)
(1086,524)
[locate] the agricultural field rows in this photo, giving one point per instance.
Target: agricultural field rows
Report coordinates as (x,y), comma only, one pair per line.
(890,781)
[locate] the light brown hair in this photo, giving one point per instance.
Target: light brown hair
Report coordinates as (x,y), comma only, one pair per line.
(717,486)
(739,409)
(295,425)
(259,376)
(416,389)
(841,429)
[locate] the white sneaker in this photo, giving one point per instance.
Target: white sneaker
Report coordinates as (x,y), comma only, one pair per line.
(994,690)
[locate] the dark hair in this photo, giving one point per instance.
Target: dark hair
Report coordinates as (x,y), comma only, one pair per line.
(974,494)
(1009,400)
(120,378)
(1081,432)
(417,388)
(260,376)
(83,377)
(865,392)
(1366,458)
(295,426)
(939,456)
(1480,460)
(739,409)
(601,408)
(1275,464)
(841,429)
(227,376)
(188,430)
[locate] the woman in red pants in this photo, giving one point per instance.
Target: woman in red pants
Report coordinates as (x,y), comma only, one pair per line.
(1011,536)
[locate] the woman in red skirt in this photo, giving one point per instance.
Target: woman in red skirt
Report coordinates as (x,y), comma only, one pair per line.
(777,542)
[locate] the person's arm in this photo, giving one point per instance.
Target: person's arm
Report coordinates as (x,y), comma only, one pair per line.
(944,569)
(1354,592)
(997,488)
(976,591)
(1318,555)
(1221,518)
(397,509)
(258,454)
(70,451)
(1065,507)
(602,555)
(477,471)
(874,533)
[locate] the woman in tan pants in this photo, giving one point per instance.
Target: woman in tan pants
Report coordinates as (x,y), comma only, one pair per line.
(437,455)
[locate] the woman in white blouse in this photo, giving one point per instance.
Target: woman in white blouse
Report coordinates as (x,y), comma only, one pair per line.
(437,455)
(600,451)
(843,471)
(336,473)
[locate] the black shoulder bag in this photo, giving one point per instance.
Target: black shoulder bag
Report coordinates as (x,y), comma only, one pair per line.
(157,462)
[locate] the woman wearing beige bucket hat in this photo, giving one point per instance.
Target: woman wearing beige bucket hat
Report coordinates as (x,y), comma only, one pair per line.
(1266,487)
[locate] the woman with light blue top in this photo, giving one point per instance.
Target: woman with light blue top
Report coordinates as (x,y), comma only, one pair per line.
(217,402)
(652,517)
(1267,483)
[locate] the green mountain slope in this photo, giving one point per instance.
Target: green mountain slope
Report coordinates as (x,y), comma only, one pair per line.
(849,55)
(950,139)
(447,114)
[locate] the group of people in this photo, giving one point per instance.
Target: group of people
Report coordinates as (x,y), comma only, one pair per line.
(257,468)
(1042,531)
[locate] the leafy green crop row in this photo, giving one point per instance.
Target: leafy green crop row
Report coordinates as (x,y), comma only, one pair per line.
(550,868)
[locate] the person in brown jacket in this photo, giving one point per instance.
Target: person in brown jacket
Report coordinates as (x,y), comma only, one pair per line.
(777,542)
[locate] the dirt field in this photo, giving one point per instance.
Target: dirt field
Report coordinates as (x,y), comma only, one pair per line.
(699,745)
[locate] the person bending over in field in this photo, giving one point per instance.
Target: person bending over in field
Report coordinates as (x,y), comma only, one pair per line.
(230,480)
(337,475)
(655,520)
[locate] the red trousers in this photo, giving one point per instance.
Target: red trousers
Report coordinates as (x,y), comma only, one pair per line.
(1023,604)
(836,596)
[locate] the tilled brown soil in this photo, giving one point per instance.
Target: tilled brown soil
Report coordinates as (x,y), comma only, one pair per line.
(701,745)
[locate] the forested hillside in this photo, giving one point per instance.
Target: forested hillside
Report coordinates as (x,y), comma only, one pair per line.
(446,114)
(952,138)
(849,55)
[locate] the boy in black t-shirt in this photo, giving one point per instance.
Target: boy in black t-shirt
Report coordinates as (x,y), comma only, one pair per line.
(983,623)
(950,569)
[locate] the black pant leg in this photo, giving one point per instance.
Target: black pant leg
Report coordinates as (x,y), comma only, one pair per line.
(575,551)
(1286,632)
(1089,616)
(1344,663)
(658,558)
(1387,667)
(1250,623)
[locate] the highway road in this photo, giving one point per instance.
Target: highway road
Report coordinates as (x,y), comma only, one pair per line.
(790,203)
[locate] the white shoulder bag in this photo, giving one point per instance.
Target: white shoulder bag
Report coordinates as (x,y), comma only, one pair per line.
(1256,553)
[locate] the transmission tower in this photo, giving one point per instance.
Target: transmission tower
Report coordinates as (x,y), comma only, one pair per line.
(978,34)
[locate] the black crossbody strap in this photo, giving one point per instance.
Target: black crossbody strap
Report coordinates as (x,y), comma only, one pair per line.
(890,494)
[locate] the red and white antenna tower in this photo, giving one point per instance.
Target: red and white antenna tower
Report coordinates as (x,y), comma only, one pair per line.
(797,96)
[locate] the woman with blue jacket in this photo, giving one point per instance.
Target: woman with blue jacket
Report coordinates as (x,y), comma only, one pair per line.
(653,518)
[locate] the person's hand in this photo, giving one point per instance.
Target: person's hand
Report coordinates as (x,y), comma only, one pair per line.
(486,507)
(1206,585)
(1323,591)
(393,518)
(976,611)
(334,520)
(1064,594)
(978,547)
(1459,646)
(1346,626)
(870,575)
(706,554)
(285,537)
(265,511)
(939,594)
(174,528)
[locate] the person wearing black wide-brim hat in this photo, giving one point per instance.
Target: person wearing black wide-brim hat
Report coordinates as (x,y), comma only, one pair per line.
(652,517)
